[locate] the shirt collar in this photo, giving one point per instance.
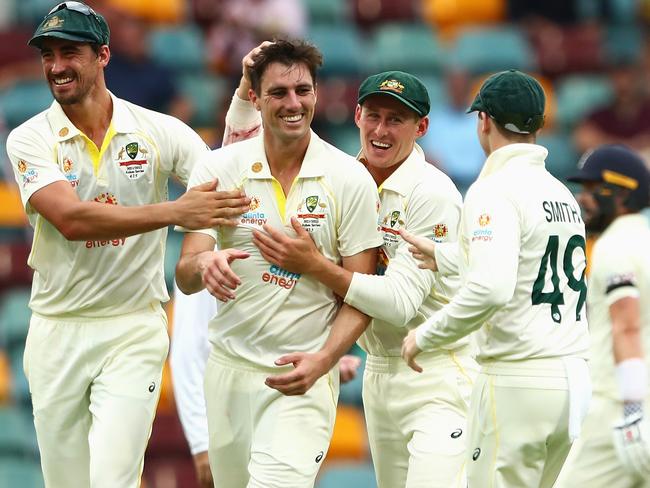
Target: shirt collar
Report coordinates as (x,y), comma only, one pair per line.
(64,129)
(401,181)
(514,154)
(312,166)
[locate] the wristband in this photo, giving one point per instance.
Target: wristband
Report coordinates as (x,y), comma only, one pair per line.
(632,378)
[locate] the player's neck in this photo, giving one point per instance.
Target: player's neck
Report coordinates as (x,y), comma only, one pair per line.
(92,115)
(285,156)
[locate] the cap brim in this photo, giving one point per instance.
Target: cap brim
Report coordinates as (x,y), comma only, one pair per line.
(394,95)
(477,105)
(584,176)
(38,39)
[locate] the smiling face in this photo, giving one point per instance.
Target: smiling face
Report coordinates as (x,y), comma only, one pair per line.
(388,130)
(72,69)
(286,101)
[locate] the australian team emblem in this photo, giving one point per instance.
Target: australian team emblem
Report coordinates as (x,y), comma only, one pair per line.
(133,168)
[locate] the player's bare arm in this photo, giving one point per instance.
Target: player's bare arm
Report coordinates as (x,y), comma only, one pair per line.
(200,266)
(201,207)
(300,255)
(348,325)
(422,249)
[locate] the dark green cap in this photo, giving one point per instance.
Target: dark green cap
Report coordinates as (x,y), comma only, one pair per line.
(514,100)
(407,88)
(74,21)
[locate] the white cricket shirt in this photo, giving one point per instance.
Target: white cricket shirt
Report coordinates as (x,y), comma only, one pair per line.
(423,200)
(334,198)
(522,264)
(141,149)
(620,267)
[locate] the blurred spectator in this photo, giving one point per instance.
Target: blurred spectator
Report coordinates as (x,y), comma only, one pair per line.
(451,140)
(450,15)
(159,11)
(626,119)
(237,26)
(132,75)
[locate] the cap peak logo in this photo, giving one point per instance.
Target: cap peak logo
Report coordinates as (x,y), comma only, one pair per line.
(53,23)
(391,85)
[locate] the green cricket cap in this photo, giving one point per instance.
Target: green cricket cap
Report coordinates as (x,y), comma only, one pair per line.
(74,21)
(514,100)
(407,88)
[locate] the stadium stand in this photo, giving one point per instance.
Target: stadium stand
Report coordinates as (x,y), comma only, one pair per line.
(569,44)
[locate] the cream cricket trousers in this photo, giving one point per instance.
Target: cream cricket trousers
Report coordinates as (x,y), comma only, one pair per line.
(519,424)
(260,438)
(593,462)
(417,421)
(95,384)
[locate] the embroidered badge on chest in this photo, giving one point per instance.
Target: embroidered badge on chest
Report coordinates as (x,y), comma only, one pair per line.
(132,160)
(311,213)
(390,226)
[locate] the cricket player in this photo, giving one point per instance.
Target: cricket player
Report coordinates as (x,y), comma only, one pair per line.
(188,356)
(271,390)
(415,422)
(92,171)
(521,258)
(616,185)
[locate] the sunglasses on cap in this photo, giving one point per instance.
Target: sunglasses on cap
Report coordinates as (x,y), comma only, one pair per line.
(75,6)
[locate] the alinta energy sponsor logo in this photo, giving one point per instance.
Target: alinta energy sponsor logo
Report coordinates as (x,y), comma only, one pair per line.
(311,213)
(29,175)
(68,171)
(109,199)
(280,277)
(484,233)
(253,217)
(133,168)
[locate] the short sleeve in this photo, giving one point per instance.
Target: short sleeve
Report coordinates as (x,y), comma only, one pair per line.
(358,228)
(189,148)
(32,160)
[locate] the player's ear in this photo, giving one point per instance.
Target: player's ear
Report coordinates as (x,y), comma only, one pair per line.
(357,115)
(252,96)
(423,126)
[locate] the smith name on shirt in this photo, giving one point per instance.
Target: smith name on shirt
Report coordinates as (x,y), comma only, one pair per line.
(561,212)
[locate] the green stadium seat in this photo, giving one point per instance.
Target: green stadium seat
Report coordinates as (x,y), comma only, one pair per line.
(348,476)
(562,155)
(342,47)
(486,50)
(579,95)
(20,474)
(19,386)
(17,435)
(14,317)
(207,93)
(405,47)
(181,49)
(327,11)
(345,137)
(24,100)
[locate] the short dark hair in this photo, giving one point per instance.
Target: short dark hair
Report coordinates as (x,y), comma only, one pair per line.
(288,53)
